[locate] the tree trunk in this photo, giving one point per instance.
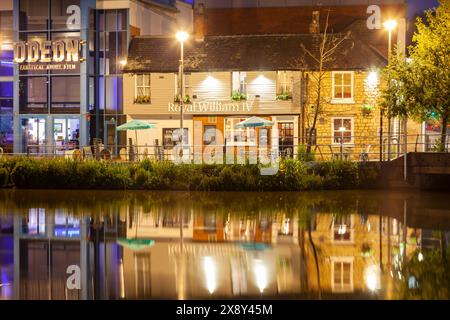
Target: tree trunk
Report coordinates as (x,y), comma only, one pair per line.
(444,131)
(316,259)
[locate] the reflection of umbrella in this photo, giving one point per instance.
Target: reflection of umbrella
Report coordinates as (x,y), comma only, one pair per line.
(135,125)
(254,122)
(254,246)
(136,244)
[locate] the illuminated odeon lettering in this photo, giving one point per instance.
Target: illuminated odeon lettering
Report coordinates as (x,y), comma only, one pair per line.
(47,51)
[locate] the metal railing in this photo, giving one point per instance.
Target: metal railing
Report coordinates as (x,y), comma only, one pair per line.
(355,148)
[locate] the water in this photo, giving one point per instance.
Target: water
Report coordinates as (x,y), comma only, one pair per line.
(177,245)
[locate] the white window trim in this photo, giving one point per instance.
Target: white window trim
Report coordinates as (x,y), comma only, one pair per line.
(342,259)
(245,84)
(232,143)
(143,86)
(352,239)
(352,141)
(343,100)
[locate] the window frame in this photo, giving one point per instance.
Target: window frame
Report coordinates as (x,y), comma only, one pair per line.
(242,82)
(352,131)
(233,143)
(342,100)
(350,230)
(341,261)
(143,86)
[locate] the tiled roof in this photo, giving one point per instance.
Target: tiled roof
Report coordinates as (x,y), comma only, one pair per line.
(246,53)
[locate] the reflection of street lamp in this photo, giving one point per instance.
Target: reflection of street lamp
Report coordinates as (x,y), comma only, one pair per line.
(389,25)
(181,36)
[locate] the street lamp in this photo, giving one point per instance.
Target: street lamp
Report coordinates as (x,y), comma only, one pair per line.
(389,25)
(181,36)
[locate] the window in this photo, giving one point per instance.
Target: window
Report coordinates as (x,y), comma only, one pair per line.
(186,83)
(171,137)
(239,82)
(284,82)
(142,90)
(65,92)
(342,130)
(209,135)
(342,87)
(342,228)
(238,136)
(342,274)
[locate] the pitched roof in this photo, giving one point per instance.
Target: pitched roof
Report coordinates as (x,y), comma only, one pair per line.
(246,53)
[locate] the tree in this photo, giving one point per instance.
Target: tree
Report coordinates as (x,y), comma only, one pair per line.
(328,45)
(420,85)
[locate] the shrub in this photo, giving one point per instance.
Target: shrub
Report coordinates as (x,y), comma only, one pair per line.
(293,175)
(302,155)
(4,177)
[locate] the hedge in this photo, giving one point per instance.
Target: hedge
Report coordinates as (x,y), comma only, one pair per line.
(292,175)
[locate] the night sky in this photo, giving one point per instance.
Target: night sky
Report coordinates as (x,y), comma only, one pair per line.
(415,6)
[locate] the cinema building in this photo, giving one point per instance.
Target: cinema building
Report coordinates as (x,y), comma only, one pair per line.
(68,58)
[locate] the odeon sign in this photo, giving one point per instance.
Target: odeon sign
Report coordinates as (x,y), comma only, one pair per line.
(61,53)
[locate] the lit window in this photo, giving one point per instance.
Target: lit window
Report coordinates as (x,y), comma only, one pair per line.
(284,82)
(342,130)
(239,80)
(342,228)
(342,86)
(187,84)
(142,88)
(238,136)
(342,274)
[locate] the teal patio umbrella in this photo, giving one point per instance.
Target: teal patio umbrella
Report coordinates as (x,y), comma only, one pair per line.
(136,125)
(254,122)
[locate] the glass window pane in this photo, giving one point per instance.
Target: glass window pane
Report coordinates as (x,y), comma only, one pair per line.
(346,273)
(33,14)
(338,79)
(111,20)
(33,92)
(66,92)
(6,63)
(60,17)
(337,273)
(348,124)
(347,79)
(347,92)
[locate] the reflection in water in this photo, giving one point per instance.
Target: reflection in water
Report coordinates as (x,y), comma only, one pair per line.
(176,245)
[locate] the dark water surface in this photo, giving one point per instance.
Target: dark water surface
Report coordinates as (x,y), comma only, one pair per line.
(177,245)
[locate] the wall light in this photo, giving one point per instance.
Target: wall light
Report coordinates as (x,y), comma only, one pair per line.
(123,62)
(372,79)
(372,277)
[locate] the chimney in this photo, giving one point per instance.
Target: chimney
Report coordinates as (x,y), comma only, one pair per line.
(199,22)
(314,26)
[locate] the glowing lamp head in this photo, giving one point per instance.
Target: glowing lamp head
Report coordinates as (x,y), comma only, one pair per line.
(182,36)
(123,62)
(390,24)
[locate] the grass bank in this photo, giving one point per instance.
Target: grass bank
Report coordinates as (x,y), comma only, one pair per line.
(293,175)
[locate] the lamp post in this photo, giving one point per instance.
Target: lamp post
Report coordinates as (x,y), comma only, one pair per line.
(389,25)
(181,36)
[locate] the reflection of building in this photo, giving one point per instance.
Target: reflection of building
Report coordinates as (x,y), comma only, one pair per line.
(221,255)
(6,258)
